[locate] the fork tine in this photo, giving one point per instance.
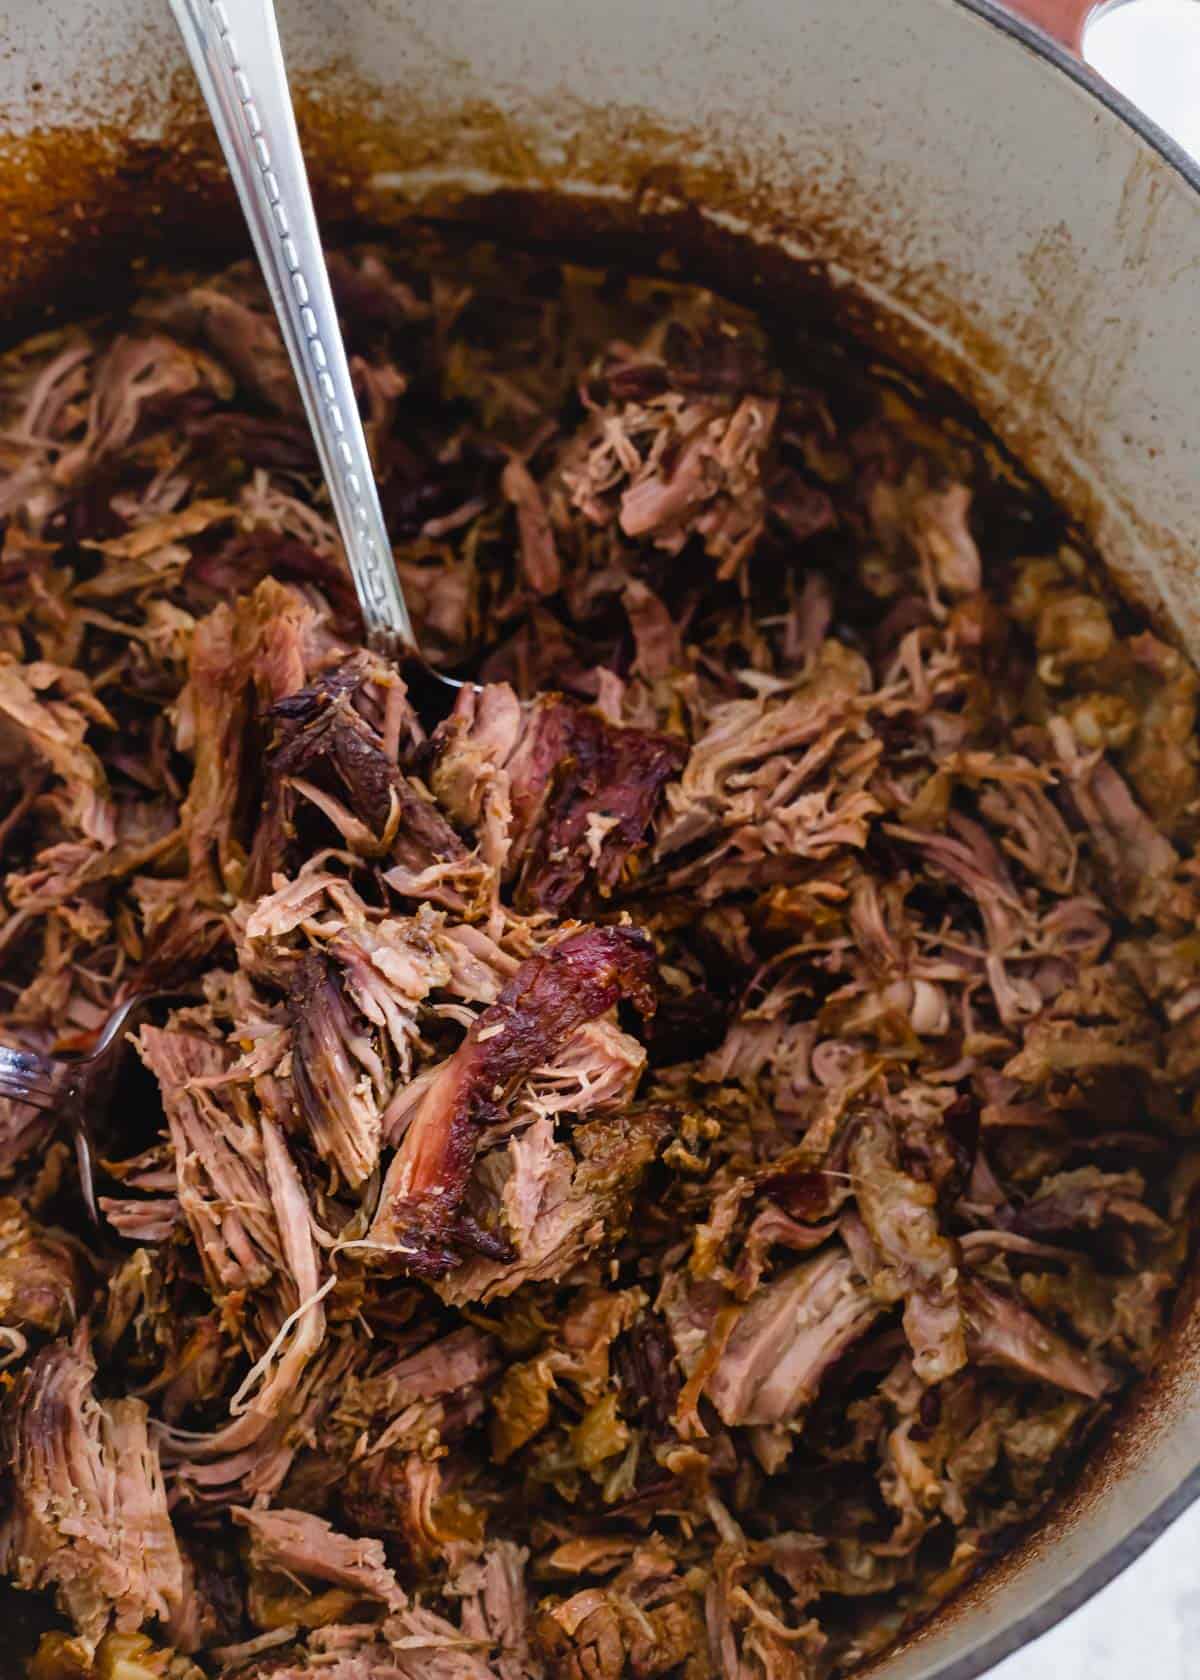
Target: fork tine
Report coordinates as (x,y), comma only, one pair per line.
(82,1139)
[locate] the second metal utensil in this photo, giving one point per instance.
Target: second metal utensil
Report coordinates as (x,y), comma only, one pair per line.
(235,51)
(77,1088)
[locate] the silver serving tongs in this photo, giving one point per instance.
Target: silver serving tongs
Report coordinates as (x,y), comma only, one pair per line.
(235,51)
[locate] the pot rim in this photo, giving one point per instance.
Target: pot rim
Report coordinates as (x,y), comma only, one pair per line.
(1026,1628)
(1073,66)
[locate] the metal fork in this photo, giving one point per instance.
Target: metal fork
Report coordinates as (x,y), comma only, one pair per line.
(76,1087)
(235,51)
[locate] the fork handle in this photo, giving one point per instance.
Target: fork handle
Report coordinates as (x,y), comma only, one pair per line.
(40,1081)
(235,52)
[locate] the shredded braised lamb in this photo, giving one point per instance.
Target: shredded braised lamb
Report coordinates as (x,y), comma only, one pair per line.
(661,1172)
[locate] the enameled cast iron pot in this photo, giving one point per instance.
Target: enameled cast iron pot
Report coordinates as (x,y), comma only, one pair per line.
(936,172)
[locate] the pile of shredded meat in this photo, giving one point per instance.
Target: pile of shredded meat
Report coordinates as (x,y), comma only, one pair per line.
(659,1172)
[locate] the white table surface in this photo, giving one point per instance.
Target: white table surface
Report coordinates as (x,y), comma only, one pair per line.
(1146,1624)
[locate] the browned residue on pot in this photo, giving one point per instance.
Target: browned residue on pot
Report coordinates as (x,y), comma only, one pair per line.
(79,210)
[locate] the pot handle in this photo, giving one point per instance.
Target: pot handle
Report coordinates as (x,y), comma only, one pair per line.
(1062,20)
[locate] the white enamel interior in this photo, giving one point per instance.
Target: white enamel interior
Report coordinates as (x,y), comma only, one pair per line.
(981,194)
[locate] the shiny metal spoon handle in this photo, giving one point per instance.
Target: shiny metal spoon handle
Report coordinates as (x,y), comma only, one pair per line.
(235,52)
